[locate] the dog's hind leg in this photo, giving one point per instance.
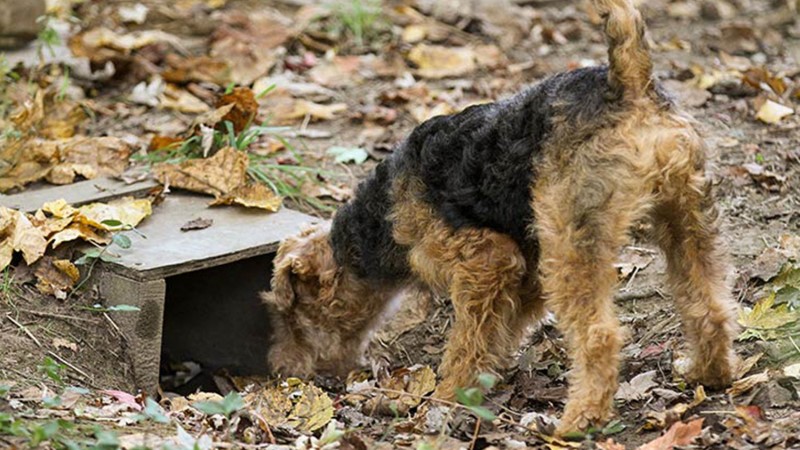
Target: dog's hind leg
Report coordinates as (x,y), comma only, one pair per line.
(685,226)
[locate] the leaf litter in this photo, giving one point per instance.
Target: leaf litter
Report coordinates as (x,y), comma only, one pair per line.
(361,91)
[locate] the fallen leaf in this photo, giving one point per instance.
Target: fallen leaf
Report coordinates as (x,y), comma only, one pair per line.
(679,434)
(764,317)
(405,389)
(746,365)
(55,276)
(124,212)
(78,231)
(146,93)
(196,69)
(244,108)
(63,343)
(181,100)
(20,235)
(772,113)
(747,384)
(434,61)
(102,44)
(345,155)
(251,196)
(792,371)
(133,13)
(197,224)
(292,403)
(340,193)
(247,43)
(218,175)
(637,387)
(315,111)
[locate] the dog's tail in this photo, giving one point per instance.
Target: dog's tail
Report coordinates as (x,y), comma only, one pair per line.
(630,66)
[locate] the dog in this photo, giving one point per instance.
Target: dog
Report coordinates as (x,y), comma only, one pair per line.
(513,208)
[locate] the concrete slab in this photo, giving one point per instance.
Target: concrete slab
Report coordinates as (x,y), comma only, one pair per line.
(82,192)
(236,233)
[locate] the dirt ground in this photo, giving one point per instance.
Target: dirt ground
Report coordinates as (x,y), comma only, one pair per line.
(733,65)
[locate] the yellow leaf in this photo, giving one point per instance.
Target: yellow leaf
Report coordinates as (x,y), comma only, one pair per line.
(764,316)
(22,235)
(78,231)
(746,384)
(59,208)
(129,211)
(434,61)
(181,100)
(293,403)
(771,112)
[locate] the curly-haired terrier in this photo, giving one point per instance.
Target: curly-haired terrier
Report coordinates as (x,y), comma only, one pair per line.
(513,207)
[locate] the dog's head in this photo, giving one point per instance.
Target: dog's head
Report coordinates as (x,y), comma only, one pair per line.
(306,335)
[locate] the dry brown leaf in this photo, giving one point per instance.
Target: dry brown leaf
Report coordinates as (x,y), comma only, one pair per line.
(196,69)
(181,100)
(55,276)
(747,384)
(251,196)
(243,110)
(217,175)
(247,44)
(61,161)
(294,404)
(407,386)
(679,434)
(316,111)
(434,61)
(101,44)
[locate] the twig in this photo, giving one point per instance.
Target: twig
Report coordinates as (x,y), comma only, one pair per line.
(475,434)
(68,364)
(114,326)
(24,329)
(56,316)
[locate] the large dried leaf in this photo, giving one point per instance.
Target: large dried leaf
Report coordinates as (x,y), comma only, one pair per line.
(294,404)
(679,434)
(21,235)
(637,388)
(765,317)
(218,175)
(128,212)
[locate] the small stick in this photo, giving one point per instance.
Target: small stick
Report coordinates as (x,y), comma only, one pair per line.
(56,316)
(475,434)
(114,326)
(68,364)
(22,327)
